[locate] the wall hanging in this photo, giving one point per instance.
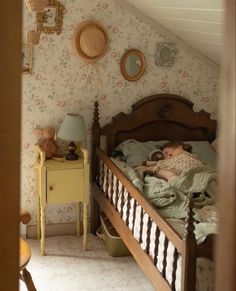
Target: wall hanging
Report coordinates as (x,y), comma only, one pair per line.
(91,42)
(132,65)
(27,59)
(36,5)
(33,37)
(165,54)
(51,18)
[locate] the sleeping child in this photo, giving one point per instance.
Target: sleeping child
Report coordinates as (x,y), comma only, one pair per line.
(177,159)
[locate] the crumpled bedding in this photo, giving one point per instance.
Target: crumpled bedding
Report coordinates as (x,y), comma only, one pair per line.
(171,197)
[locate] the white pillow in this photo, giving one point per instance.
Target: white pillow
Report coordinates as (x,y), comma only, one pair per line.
(204,151)
(137,152)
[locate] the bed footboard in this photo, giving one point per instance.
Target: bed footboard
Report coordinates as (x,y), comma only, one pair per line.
(144,231)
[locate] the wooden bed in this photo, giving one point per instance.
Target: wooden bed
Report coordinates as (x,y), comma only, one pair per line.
(158,117)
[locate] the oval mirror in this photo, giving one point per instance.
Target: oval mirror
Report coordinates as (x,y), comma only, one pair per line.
(132,65)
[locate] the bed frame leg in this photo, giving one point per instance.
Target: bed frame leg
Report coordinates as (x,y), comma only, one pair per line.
(95,216)
(189,258)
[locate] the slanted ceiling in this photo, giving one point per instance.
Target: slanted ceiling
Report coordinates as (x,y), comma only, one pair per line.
(198,22)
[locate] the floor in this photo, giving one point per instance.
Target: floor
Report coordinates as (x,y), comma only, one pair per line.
(67,267)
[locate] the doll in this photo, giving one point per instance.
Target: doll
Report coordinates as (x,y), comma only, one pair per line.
(155,156)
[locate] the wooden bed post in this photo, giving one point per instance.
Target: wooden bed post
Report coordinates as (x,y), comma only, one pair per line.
(95,144)
(189,257)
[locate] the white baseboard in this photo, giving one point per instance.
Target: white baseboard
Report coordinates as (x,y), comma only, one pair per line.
(54,229)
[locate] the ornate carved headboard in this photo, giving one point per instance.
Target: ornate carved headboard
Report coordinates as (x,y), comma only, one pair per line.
(157,117)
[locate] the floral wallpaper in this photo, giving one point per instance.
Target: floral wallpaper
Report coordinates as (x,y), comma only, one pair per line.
(57,83)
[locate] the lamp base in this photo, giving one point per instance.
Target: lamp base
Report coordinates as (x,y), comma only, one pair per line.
(72,156)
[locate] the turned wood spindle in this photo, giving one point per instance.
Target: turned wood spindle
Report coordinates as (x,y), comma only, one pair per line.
(141,227)
(107,182)
(157,235)
(128,209)
(111,189)
(175,258)
(95,140)
(164,263)
(149,225)
(117,194)
(122,201)
(134,215)
(102,175)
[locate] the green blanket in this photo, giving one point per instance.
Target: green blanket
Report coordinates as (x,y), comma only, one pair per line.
(171,197)
(202,229)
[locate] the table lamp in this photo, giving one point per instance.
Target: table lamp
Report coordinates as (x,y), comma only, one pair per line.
(72,129)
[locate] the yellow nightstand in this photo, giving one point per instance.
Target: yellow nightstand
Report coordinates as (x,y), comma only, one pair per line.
(61,182)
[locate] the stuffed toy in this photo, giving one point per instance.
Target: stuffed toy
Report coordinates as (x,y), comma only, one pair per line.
(48,143)
(154,156)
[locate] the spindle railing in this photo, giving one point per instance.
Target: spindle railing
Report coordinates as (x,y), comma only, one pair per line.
(127,205)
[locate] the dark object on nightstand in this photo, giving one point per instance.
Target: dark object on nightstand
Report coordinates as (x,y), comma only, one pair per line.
(72,156)
(72,129)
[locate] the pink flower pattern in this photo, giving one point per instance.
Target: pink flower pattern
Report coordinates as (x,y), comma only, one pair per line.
(56,84)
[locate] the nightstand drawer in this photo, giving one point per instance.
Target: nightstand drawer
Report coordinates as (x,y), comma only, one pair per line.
(64,186)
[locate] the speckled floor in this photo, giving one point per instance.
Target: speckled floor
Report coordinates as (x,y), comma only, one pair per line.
(67,267)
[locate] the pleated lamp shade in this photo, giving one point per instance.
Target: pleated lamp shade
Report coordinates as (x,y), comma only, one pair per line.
(33,37)
(36,5)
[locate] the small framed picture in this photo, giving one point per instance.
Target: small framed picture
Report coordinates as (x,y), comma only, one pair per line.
(165,54)
(27,58)
(50,19)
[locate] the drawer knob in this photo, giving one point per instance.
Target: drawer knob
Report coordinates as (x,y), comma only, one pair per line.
(50,188)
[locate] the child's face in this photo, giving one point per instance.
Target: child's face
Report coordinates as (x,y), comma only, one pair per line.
(167,152)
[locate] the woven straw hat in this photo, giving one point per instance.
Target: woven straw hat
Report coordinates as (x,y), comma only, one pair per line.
(90,40)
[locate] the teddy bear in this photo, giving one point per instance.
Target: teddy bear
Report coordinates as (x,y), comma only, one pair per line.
(48,143)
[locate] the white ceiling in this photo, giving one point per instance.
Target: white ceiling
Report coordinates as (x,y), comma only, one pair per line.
(197,22)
